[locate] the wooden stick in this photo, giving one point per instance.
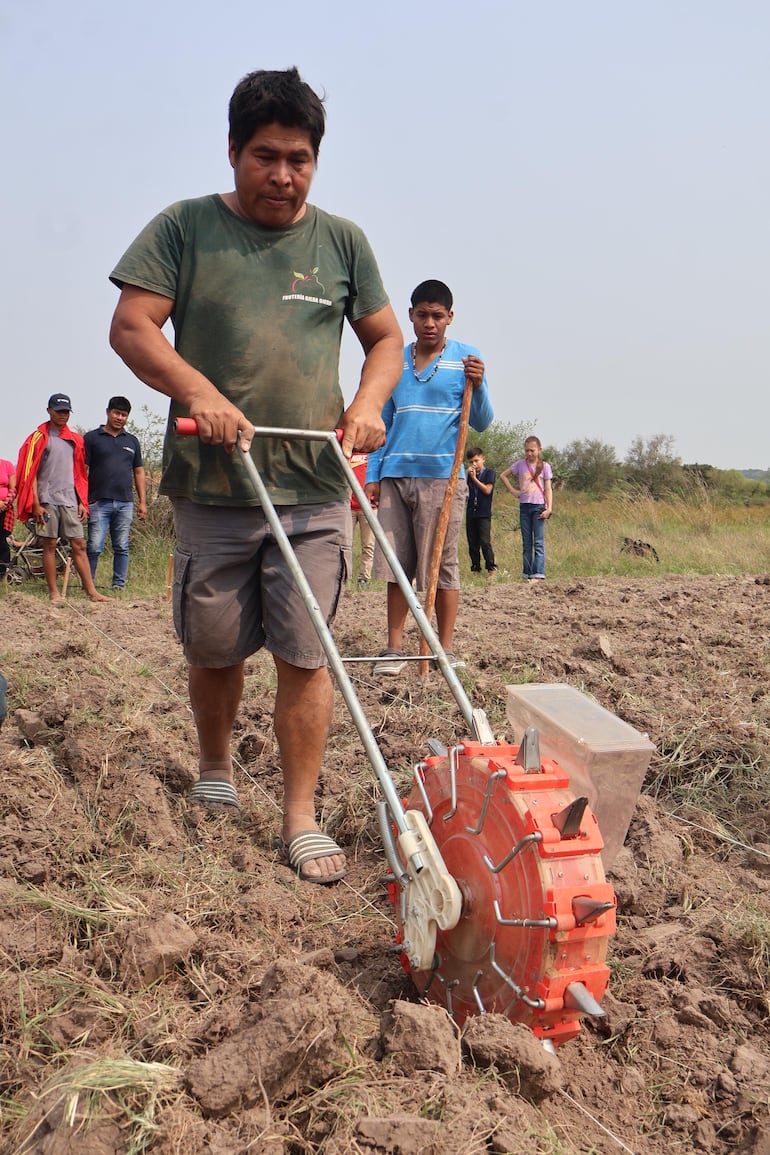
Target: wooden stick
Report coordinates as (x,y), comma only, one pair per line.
(443,517)
(65,582)
(170,577)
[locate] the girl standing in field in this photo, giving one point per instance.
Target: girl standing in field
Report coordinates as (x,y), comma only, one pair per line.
(535,494)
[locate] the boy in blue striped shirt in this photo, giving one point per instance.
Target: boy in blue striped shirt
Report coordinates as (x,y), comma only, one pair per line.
(407,478)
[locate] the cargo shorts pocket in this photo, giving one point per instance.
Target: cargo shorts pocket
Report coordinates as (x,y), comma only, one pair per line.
(343,573)
(182,562)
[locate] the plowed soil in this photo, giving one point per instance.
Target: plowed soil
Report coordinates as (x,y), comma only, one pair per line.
(166,984)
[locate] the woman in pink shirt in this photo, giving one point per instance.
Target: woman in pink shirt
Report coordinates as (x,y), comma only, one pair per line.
(7,494)
(535,494)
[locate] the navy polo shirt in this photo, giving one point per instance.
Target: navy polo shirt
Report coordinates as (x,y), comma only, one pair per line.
(480,504)
(111,463)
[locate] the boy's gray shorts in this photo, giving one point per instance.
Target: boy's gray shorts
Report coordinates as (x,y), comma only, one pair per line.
(233,592)
(408,512)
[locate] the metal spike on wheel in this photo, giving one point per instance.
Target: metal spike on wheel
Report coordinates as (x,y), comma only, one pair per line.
(537,912)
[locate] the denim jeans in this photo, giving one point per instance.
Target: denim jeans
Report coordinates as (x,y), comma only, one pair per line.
(532,539)
(115,516)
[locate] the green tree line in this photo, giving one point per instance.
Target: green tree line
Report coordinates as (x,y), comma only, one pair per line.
(586,465)
(651,466)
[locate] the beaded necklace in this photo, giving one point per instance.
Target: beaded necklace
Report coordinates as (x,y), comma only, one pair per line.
(434,370)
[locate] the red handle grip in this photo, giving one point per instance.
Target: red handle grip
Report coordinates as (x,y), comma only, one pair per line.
(186,426)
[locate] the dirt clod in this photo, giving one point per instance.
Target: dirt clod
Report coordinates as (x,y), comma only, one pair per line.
(420,1038)
(293,1039)
(521,1060)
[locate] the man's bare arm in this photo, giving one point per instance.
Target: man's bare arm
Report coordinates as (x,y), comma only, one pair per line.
(136,336)
(141,492)
(383,344)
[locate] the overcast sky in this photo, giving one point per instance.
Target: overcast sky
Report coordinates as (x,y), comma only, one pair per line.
(591,177)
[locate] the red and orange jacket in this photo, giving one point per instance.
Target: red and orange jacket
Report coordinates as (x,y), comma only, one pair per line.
(30,456)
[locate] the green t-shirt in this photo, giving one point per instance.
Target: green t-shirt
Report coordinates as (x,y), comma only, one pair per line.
(260,313)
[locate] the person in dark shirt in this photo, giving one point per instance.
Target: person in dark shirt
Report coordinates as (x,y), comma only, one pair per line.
(114,460)
(478,513)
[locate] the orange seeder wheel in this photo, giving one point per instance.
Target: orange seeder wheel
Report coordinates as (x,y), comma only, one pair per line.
(537,912)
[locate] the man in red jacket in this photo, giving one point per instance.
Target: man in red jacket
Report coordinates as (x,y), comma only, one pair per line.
(52,489)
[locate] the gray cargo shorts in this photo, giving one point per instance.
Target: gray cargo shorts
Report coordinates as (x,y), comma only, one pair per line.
(409,513)
(233,592)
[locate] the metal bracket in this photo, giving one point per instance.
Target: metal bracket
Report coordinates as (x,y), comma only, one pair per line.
(389,843)
(432,898)
(454,754)
(527,840)
(545,923)
(493,778)
(528,756)
(419,781)
(519,992)
(482,729)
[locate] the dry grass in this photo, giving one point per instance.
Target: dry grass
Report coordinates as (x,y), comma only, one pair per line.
(715,773)
(93,1092)
(585,537)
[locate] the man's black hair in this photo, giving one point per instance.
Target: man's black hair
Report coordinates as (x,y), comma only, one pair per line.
(284,98)
(433,292)
(477,451)
(121,403)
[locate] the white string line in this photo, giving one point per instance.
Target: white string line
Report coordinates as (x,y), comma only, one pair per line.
(358,679)
(431,713)
(721,837)
(598,1123)
(427,711)
(169,689)
(172,693)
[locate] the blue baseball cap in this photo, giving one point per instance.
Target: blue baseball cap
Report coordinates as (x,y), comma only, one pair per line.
(60,403)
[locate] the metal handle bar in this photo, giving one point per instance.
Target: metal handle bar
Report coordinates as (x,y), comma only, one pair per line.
(474,719)
(188,426)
